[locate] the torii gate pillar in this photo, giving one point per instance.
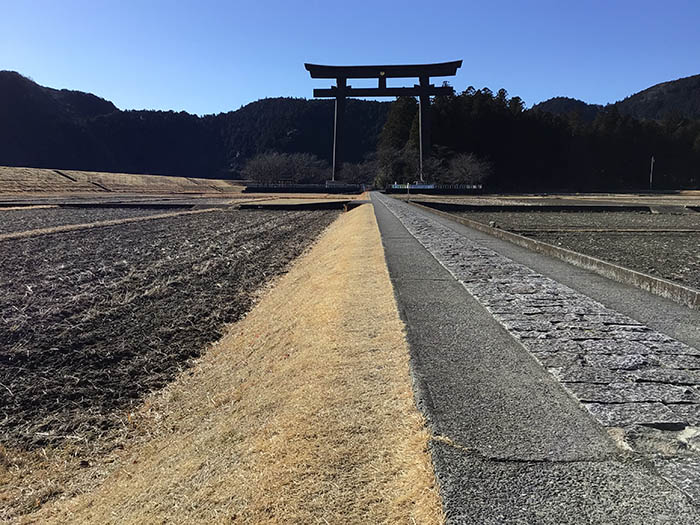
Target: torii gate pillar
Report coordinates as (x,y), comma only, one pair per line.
(423,122)
(338,127)
(424,90)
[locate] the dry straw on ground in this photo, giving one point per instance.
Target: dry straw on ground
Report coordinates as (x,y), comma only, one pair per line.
(302,414)
(99,224)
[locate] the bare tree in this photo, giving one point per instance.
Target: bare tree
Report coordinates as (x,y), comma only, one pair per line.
(307,168)
(467,168)
(361,173)
(295,167)
(267,167)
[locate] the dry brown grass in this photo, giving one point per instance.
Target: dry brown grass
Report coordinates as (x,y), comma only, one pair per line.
(130,182)
(99,224)
(302,414)
(38,207)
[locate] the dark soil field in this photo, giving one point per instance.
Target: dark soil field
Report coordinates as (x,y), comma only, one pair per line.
(615,220)
(679,198)
(34,219)
(673,255)
(90,321)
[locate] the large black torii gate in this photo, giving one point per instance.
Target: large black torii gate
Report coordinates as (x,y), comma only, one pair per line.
(423,90)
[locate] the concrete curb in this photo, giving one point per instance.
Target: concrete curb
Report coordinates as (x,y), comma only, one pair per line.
(662,287)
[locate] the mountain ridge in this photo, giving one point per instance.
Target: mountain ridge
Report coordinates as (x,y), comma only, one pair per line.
(43,127)
(678,98)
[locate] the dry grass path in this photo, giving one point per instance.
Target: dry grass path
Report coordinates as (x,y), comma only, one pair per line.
(304,413)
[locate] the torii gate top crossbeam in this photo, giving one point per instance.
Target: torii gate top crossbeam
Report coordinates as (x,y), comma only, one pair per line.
(423,72)
(443,69)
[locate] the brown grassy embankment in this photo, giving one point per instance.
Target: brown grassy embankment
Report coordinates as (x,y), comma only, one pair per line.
(39,181)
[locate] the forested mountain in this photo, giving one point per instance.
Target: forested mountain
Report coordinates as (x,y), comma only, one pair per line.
(290,125)
(44,127)
(678,98)
(569,106)
(24,97)
(40,126)
(674,99)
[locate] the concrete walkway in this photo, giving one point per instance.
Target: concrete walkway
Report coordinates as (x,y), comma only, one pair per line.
(511,442)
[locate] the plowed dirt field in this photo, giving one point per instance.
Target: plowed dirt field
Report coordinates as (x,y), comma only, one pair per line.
(92,320)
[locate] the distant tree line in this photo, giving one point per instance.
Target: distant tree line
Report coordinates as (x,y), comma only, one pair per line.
(519,150)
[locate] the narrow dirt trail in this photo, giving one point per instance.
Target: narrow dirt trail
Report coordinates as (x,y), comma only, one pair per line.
(303,413)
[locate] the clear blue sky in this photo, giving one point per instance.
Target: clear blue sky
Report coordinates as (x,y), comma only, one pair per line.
(211,56)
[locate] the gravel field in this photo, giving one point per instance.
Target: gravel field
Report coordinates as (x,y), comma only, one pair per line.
(92,320)
(673,256)
(24,220)
(594,220)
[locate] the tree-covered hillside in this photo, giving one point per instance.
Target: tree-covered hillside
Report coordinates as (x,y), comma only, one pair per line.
(566,106)
(289,125)
(678,98)
(44,127)
(675,99)
(535,150)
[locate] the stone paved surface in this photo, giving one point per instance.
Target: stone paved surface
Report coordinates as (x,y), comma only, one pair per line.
(642,385)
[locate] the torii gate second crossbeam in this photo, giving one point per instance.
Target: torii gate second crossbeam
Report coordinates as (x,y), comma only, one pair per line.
(423,90)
